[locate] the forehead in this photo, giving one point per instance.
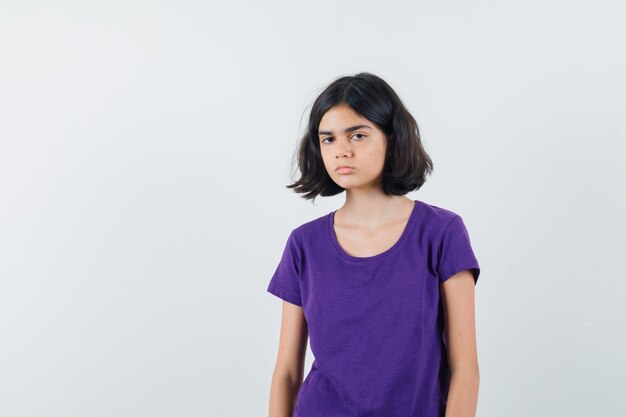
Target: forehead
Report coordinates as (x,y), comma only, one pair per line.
(339,116)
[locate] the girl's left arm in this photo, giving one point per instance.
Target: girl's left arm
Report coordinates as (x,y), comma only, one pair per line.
(457,294)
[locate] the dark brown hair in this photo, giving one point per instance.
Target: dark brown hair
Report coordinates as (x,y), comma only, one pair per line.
(406,163)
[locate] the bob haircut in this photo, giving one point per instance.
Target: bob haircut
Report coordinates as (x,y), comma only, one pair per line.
(406,162)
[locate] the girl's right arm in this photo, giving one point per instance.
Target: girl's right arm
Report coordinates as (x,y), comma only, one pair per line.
(289,370)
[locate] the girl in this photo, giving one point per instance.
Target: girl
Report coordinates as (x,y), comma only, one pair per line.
(383,286)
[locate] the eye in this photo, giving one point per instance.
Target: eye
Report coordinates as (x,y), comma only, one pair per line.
(325,139)
(359,134)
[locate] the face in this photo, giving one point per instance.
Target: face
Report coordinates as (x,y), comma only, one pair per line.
(348,139)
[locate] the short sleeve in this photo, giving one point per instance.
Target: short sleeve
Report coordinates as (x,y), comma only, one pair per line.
(285,283)
(455,251)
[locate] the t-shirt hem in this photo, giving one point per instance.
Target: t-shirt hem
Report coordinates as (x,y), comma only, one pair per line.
(475,270)
(279,292)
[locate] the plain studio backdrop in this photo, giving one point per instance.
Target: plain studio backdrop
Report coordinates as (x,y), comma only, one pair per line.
(144,152)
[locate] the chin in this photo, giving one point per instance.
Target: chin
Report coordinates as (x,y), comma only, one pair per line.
(351,184)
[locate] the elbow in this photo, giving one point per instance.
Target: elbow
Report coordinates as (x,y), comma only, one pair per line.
(467,372)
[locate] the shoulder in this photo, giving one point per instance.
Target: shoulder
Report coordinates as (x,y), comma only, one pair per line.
(437,217)
(310,231)
(441,224)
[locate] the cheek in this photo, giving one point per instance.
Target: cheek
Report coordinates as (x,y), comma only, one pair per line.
(325,159)
(376,157)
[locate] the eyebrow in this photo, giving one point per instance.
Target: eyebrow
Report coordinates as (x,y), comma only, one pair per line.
(347,130)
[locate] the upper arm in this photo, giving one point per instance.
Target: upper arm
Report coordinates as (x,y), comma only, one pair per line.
(455,252)
(294,333)
(457,294)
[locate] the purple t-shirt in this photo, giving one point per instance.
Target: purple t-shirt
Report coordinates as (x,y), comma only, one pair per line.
(375,323)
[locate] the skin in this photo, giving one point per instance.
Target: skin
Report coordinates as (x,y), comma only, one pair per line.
(368,223)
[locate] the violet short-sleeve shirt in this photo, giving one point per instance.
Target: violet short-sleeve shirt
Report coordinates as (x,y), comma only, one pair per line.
(375,323)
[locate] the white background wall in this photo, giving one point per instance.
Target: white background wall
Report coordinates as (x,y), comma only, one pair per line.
(144,152)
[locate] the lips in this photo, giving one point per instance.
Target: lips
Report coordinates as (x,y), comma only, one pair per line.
(344,169)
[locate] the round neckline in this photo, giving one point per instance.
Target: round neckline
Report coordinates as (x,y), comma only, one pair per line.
(363,259)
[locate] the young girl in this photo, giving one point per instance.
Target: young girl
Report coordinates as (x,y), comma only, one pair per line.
(384,286)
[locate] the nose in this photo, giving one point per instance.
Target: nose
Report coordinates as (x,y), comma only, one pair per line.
(344,151)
